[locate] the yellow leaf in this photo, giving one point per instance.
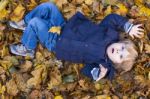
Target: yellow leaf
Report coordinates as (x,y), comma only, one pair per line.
(32,4)
(89,2)
(36,79)
(122,10)
(97,86)
(5,64)
(3,14)
(147,48)
(3,4)
(108,11)
(18,13)
(4,51)
(55,29)
(60,3)
(55,78)
(103,97)
(12,88)
(58,97)
(149,75)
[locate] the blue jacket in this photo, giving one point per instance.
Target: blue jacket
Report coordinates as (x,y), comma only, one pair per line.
(83,41)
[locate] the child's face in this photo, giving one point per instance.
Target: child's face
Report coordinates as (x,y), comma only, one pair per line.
(117,52)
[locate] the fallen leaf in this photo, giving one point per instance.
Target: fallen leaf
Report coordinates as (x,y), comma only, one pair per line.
(69,78)
(55,29)
(122,9)
(88,2)
(36,80)
(35,94)
(26,66)
(20,82)
(60,3)
(18,13)
(32,4)
(55,78)
(58,97)
(12,88)
(103,97)
(147,48)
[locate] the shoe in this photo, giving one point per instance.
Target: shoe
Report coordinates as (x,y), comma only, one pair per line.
(20,49)
(16,26)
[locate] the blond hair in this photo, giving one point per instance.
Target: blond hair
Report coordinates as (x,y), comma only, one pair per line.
(128,64)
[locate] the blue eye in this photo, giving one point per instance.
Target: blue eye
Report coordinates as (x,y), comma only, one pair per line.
(121,56)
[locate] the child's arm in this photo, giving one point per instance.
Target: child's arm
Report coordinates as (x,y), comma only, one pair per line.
(120,23)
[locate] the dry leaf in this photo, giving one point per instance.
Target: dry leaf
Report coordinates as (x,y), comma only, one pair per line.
(55,29)
(103,97)
(109,2)
(2,89)
(60,3)
(12,88)
(55,78)
(88,2)
(58,97)
(147,48)
(35,94)
(32,4)
(20,82)
(18,13)
(36,80)
(26,66)
(108,11)
(2,71)
(3,4)
(122,10)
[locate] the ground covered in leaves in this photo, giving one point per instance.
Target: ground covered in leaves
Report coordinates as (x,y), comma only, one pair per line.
(47,78)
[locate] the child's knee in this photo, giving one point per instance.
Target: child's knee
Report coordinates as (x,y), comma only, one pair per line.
(48,5)
(37,22)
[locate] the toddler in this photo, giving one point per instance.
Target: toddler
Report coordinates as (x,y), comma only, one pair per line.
(80,41)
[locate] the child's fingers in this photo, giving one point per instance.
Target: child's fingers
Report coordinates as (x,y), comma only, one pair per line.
(139,25)
(140,33)
(139,29)
(132,36)
(137,35)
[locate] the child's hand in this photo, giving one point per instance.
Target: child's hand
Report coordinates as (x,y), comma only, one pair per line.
(136,31)
(102,73)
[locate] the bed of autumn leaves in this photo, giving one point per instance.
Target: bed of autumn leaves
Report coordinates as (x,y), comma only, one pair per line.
(47,78)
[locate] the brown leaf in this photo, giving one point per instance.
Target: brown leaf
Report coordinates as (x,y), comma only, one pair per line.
(36,80)
(26,66)
(12,88)
(32,4)
(60,3)
(18,13)
(55,78)
(147,48)
(88,2)
(35,94)
(20,82)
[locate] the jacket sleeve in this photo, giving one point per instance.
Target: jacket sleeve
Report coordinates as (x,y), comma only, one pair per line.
(92,70)
(116,22)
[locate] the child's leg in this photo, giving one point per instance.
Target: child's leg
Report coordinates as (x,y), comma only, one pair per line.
(47,11)
(37,30)
(114,21)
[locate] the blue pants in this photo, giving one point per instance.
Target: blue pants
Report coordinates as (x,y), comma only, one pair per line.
(38,22)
